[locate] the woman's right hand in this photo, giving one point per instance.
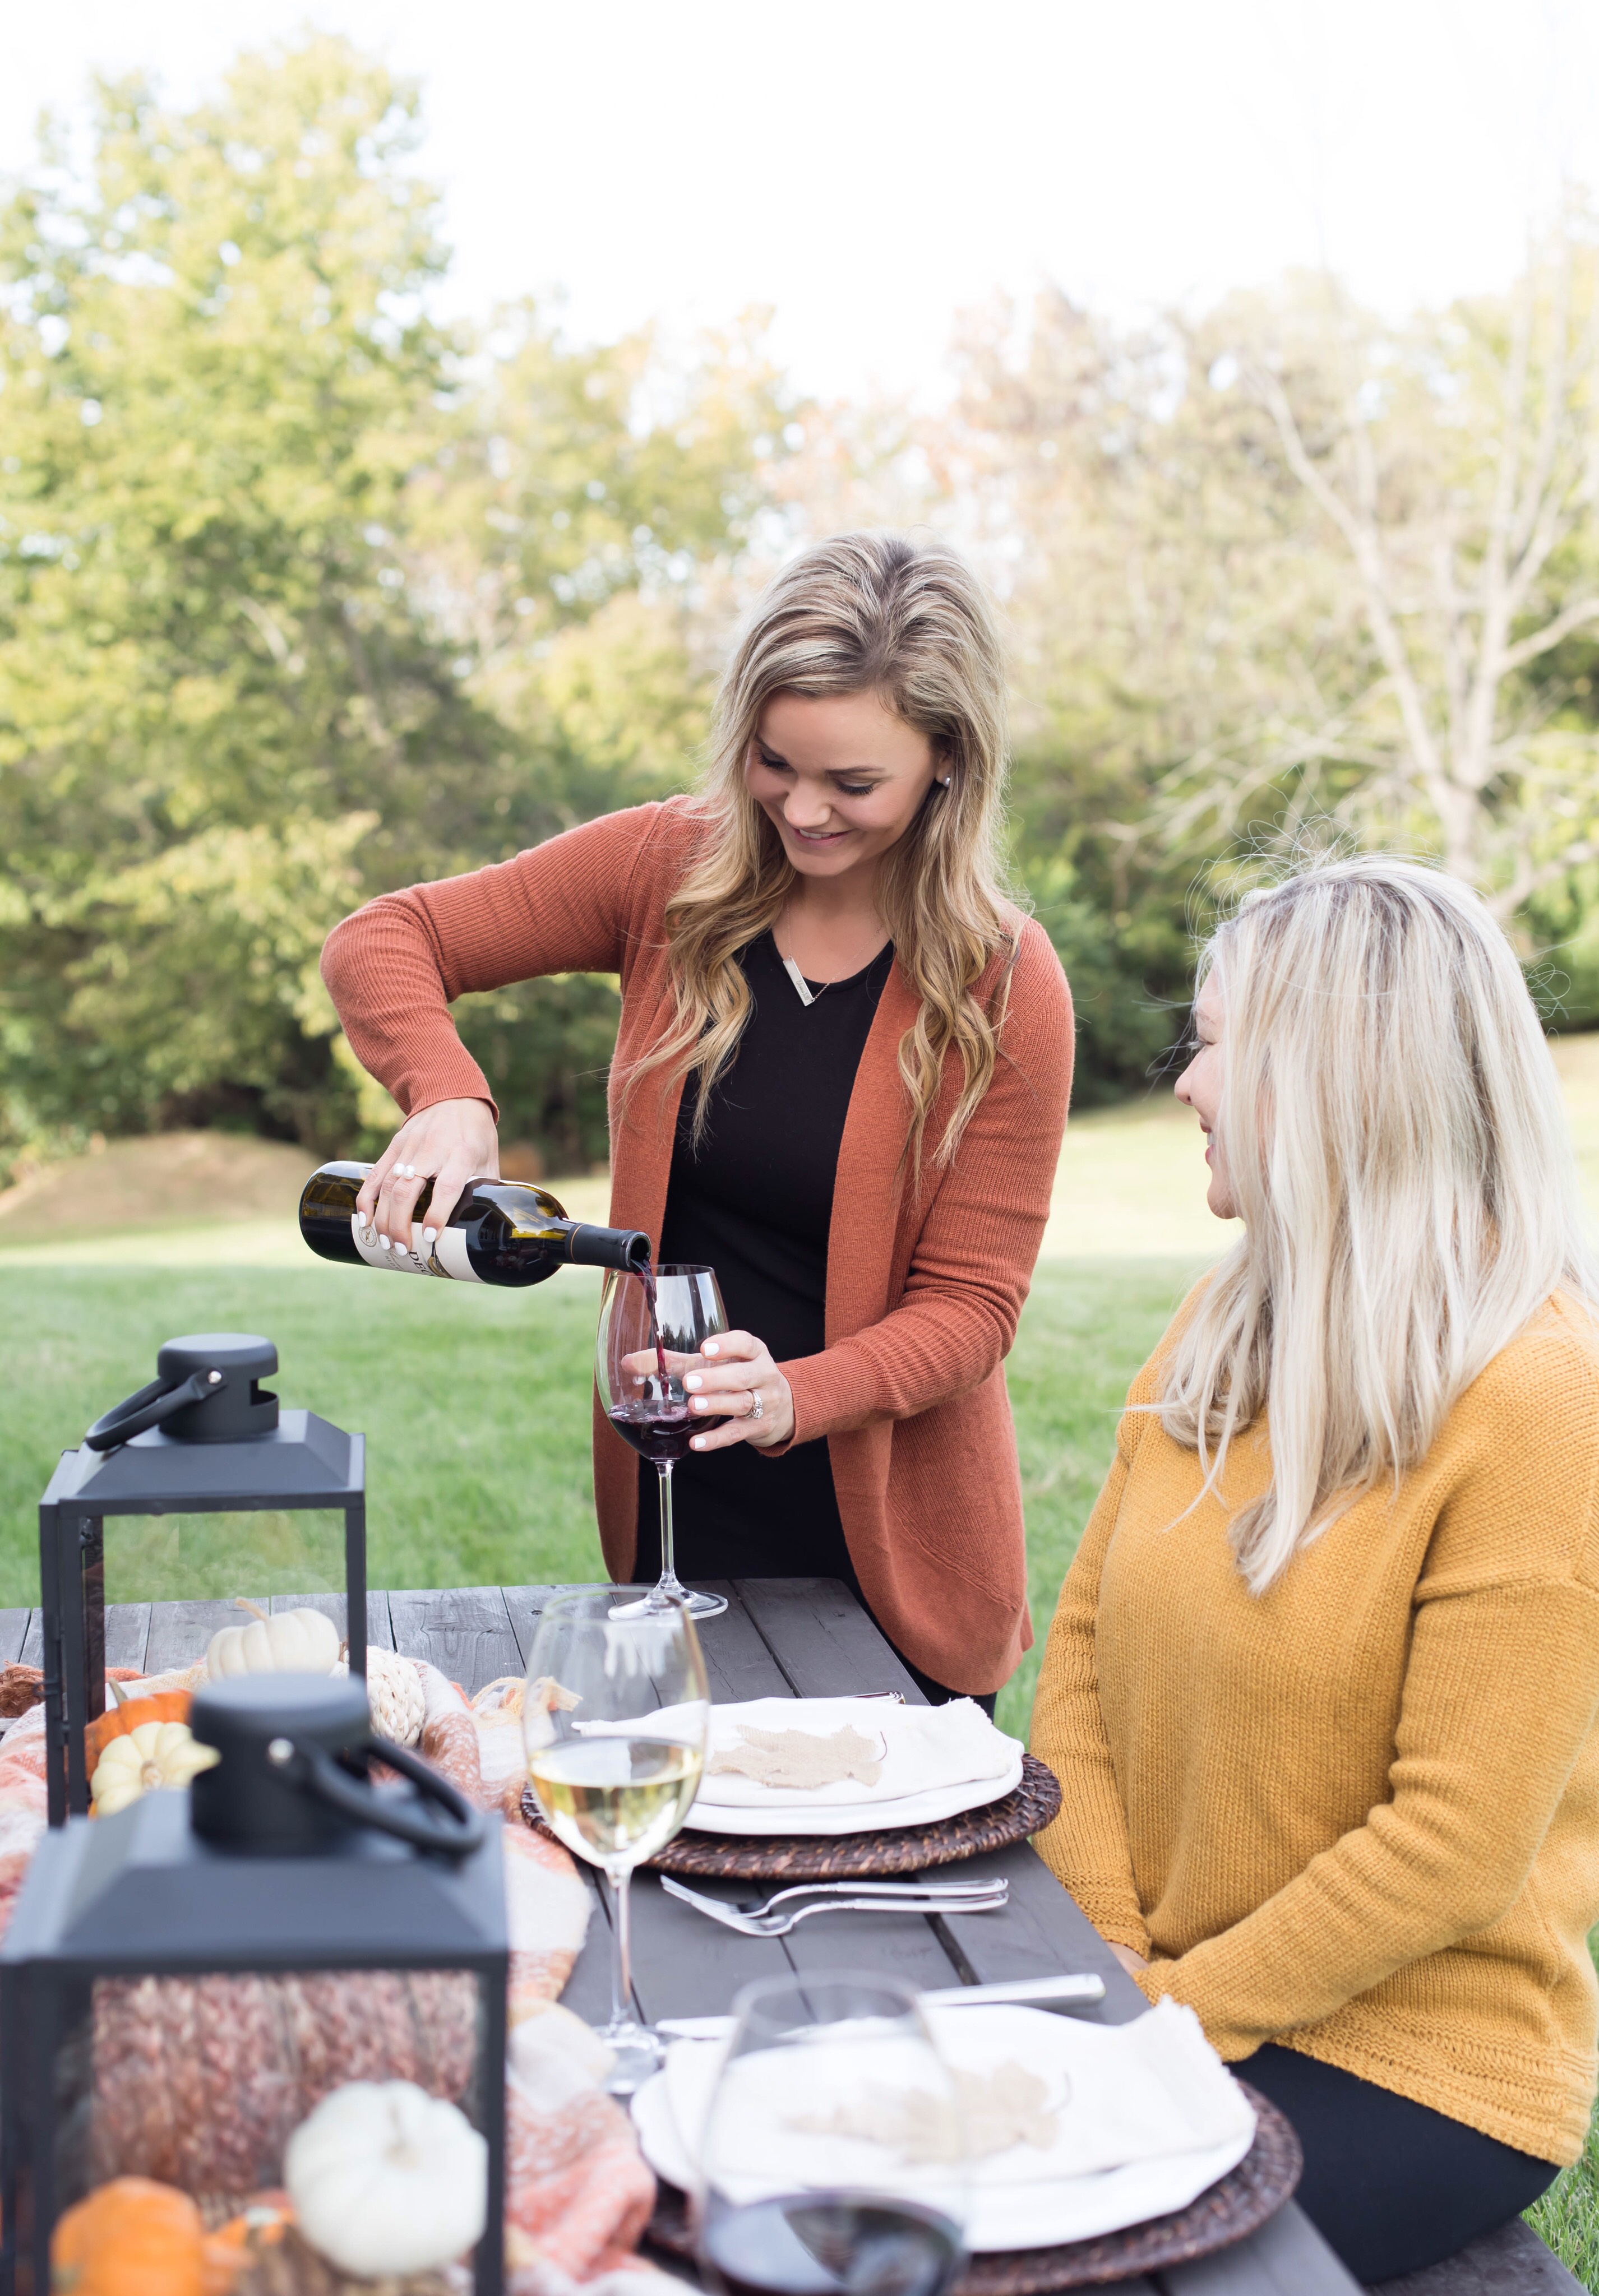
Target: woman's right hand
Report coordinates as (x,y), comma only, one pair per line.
(450,1142)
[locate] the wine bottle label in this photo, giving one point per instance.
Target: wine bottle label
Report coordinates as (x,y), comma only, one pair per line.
(444,1256)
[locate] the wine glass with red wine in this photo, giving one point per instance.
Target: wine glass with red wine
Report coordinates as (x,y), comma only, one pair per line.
(653,1326)
(833,2161)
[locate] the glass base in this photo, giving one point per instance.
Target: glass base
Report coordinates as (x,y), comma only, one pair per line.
(672,1590)
(638,2052)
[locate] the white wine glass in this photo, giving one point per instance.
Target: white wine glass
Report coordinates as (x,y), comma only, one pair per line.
(833,2159)
(614,1718)
(652,1327)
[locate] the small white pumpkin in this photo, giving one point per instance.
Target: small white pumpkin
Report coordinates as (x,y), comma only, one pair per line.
(156,1754)
(290,1642)
(385,2178)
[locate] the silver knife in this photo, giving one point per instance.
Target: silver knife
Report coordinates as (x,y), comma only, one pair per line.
(1020,1991)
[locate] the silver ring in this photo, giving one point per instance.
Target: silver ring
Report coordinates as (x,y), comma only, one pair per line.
(757,1407)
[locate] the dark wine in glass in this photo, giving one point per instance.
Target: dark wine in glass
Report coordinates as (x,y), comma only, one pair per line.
(652,1325)
(660,1432)
(808,2184)
(831,2244)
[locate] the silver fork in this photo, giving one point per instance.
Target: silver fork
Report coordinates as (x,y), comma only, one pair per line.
(865,1886)
(844,1898)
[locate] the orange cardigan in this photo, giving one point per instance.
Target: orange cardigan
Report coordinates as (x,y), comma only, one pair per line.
(925,1284)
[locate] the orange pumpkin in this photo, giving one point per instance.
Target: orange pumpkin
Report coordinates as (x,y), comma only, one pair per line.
(130,2238)
(116,1721)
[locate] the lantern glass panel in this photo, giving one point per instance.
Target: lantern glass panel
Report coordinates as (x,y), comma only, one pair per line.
(208,1569)
(200,2082)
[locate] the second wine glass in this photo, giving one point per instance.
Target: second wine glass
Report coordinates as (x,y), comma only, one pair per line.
(652,1327)
(614,1716)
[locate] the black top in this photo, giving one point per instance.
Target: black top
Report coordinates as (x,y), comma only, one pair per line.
(755,1204)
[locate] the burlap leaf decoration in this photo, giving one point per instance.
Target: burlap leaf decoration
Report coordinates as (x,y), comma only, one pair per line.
(1000,2109)
(799,1759)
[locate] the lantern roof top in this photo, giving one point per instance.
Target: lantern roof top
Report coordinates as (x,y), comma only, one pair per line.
(303,1461)
(141,1893)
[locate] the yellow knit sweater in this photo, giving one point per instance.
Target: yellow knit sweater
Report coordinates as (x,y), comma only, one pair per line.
(1358,1814)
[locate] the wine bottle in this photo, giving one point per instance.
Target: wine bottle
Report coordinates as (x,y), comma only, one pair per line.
(498,1232)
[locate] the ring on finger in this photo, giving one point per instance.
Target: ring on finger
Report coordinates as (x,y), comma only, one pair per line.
(757,1407)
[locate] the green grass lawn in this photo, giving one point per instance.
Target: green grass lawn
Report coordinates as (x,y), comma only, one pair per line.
(475,1403)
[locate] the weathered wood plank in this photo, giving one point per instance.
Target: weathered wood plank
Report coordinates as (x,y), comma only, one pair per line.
(686,1965)
(523,1608)
(464,1631)
(127,1634)
(32,1650)
(1042,1932)
(738,1663)
(13,1635)
(179,1632)
(825,1642)
(1287,2257)
(1512,2262)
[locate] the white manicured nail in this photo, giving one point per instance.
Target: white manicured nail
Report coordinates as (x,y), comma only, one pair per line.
(429,1235)
(693,1381)
(386,1244)
(710,1347)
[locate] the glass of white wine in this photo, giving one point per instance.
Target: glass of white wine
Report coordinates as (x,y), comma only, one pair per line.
(615,1719)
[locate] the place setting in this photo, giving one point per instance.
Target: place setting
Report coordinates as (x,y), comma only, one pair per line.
(840,2124)
(831,1788)
(969,2140)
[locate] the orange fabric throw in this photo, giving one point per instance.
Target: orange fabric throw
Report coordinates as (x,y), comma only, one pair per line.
(925,1280)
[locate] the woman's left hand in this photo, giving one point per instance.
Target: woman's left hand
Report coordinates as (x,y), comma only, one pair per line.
(740,1381)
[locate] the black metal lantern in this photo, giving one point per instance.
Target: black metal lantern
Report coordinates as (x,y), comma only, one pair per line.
(203,1440)
(186,1984)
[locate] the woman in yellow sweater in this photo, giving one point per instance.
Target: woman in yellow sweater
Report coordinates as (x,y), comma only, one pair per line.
(1321,1686)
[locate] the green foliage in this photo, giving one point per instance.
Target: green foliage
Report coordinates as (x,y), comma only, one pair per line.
(301,598)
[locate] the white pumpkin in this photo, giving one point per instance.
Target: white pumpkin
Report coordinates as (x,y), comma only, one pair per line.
(385,2178)
(156,1754)
(290,1642)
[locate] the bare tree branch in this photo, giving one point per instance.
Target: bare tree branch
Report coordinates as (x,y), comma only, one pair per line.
(1568,619)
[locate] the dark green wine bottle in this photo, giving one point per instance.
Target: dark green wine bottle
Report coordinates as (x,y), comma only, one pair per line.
(498,1232)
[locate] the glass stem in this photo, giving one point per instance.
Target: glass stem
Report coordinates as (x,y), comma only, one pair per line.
(668,1561)
(622,1948)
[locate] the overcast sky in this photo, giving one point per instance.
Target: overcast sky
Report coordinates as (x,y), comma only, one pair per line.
(869,166)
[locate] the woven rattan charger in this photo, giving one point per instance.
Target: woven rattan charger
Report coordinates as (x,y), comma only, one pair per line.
(1237,2205)
(840,1858)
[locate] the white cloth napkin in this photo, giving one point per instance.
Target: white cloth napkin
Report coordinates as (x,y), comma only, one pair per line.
(1140,2119)
(922,1748)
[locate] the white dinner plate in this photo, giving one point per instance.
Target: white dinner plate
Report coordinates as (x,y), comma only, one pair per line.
(1018,2215)
(856,1818)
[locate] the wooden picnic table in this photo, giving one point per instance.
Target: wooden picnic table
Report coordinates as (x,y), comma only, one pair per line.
(811,1638)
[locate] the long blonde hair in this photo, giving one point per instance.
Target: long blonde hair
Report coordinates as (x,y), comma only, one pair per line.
(1393,1132)
(908,620)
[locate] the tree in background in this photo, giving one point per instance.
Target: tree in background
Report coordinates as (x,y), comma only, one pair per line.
(301,598)
(1455,462)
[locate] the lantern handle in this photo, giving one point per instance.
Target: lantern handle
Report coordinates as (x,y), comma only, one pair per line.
(148,1408)
(456,1829)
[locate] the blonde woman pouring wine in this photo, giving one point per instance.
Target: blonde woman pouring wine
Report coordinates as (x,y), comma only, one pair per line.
(1322,1687)
(841,1081)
